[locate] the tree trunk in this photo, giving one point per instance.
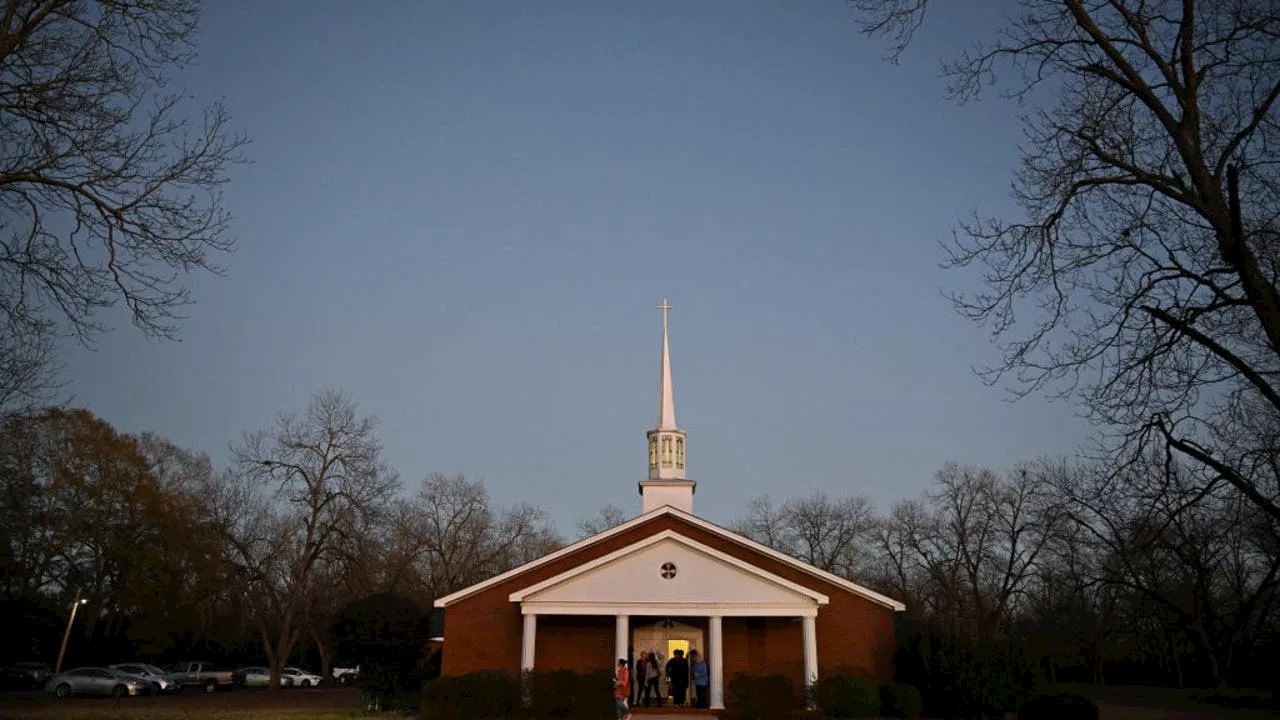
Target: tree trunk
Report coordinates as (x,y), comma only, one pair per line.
(285,641)
(273,679)
(1210,652)
(277,667)
(320,648)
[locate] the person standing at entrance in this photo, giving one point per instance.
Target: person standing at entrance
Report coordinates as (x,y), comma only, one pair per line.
(631,673)
(698,670)
(621,682)
(640,677)
(678,677)
(652,673)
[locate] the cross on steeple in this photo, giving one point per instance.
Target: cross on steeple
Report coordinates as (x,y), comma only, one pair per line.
(664,307)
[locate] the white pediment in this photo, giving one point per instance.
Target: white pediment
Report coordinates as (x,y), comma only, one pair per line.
(711,528)
(695,576)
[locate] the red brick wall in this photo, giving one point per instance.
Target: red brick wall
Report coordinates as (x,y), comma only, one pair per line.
(763,646)
(483,631)
(583,643)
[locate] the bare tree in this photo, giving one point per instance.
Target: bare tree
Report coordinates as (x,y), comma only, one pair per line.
(895,19)
(607,517)
(106,185)
(765,523)
(832,534)
(1205,564)
(328,478)
(1145,268)
(455,538)
(109,189)
(28,374)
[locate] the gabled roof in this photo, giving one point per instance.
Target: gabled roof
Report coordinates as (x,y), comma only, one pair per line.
(654,539)
(696,522)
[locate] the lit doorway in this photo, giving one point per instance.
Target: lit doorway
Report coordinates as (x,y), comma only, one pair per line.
(674,645)
(661,637)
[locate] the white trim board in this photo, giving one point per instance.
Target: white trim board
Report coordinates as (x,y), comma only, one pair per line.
(672,610)
(695,521)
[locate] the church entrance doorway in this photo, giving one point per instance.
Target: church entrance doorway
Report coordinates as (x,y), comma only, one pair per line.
(662,637)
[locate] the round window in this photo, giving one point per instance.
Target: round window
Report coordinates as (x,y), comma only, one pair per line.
(668,570)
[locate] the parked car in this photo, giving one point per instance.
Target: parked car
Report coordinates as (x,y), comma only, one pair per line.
(346,675)
(96,681)
(150,673)
(27,675)
(205,675)
(258,676)
(300,677)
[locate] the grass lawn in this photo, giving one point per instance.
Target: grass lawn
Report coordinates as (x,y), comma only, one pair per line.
(1131,702)
(317,704)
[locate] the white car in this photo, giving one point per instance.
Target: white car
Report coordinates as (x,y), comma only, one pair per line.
(301,678)
(147,672)
(346,675)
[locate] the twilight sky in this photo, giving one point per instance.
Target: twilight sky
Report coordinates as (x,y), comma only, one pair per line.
(464,213)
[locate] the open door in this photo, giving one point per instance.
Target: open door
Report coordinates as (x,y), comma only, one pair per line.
(674,645)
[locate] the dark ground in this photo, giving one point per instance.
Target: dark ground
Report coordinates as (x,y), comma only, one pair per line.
(343,703)
(294,704)
(1130,702)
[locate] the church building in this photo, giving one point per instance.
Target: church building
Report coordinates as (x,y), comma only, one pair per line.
(670,580)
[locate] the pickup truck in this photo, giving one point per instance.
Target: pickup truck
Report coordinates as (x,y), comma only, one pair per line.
(203,675)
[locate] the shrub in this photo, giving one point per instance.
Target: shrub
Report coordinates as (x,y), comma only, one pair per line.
(900,700)
(385,633)
(751,697)
(569,695)
(1058,707)
(846,696)
(1241,699)
(960,677)
(474,696)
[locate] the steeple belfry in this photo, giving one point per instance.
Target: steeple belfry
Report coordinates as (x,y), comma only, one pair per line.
(667,484)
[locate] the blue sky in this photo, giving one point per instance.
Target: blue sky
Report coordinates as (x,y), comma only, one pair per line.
(463,214)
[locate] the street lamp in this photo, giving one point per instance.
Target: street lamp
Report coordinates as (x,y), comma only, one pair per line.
(66,635)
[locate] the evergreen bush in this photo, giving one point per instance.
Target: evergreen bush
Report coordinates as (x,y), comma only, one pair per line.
(475,696)
(847,696)
(900,700)
(567,695)
(752,697)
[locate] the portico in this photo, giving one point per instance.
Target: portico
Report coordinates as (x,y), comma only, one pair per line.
(670,575)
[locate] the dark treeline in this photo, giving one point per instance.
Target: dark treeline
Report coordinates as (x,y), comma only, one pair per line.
(1057,572)
(1054,571)
(252,563)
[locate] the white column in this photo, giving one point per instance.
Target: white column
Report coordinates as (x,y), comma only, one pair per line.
(715,650)
(620,640)
(528,644)
(809,623)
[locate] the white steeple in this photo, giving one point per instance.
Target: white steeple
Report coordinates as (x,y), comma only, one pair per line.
(666,399)
(667,484)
